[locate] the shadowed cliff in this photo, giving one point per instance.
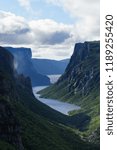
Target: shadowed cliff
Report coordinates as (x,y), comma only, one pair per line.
(23,64)
(26,123)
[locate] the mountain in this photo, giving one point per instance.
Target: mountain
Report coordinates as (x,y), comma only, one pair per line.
(50,67)
(23,64)
(26,123)
(9,125)
(80,83)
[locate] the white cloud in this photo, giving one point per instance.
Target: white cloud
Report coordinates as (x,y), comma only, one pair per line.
(46,37)
(86,13)
(11,24)
(13,29)
(49,32)
(25,3)
(57,52)
(79,8)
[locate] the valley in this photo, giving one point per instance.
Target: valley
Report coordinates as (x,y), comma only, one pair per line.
(80,84)
(61,113)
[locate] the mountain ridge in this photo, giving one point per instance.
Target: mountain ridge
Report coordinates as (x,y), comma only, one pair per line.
(80,83)
(22,113)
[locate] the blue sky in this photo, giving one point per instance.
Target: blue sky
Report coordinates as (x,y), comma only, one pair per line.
(40,10)
(49,27)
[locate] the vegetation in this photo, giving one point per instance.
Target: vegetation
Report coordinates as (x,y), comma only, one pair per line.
(29,123)
(80,84)
(6,146)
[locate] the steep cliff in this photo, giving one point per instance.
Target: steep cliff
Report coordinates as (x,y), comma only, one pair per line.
(82,73)
(26,123)
(23,64)
(80,82)
(10,130)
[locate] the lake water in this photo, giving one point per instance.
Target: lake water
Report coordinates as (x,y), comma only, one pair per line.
(62,107)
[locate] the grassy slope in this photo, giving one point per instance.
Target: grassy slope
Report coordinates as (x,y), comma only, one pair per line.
(39,131)
(6,146)
(42,127)
(89,102)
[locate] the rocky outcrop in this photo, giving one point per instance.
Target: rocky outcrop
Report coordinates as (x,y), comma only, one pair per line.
(23,65)
(82,73)
(81,77)
(95,136)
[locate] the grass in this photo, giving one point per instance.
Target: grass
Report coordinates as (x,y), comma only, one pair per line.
(43,128)
(69,87)
(6,146)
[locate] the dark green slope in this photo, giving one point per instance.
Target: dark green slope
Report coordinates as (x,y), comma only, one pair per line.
(25,123)
(80,82)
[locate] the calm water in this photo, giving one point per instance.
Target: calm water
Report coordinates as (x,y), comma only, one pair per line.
(62,107)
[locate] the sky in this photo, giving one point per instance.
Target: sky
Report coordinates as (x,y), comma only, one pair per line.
(49,27)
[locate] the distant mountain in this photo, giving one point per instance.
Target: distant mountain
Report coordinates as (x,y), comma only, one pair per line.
(23,64)
(80,84)
(26,123)
(50,67)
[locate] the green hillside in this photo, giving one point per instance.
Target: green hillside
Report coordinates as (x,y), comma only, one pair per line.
(27,124)
(80,84)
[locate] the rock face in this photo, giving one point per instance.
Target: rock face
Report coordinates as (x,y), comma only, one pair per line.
(26,123)
(80,83)
(82,73)
(23,64)
(50,67)
(9,126)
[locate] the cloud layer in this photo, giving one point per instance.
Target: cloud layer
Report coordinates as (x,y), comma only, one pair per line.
(43,35)
(87,15)
(46,37)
